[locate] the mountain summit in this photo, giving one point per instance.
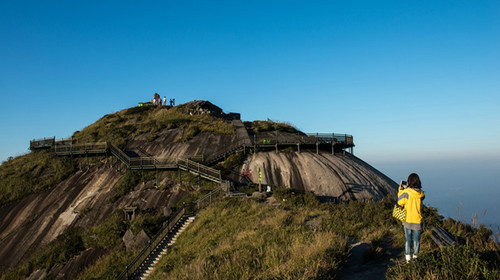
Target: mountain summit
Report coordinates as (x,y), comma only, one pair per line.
(76,192)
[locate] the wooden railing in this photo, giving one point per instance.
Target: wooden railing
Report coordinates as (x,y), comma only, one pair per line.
(207,199)
(92,148)
(200,169)
(226,151)
(62,148)
(42,143)
(441,237)
(152,243)
(309,138)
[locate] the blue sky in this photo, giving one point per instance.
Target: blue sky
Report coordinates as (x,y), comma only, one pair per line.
(409,79)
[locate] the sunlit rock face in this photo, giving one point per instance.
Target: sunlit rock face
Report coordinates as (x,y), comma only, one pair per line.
(338,177)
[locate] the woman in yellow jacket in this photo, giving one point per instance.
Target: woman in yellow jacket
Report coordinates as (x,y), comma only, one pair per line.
(411,198)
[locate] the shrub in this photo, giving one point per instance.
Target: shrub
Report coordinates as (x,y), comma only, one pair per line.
(108,234)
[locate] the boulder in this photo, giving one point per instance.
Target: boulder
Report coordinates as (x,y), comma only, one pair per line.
(135,242)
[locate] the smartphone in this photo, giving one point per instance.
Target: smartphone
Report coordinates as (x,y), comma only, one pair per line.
(404,184)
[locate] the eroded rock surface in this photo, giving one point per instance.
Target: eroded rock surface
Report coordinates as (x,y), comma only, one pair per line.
(340,177)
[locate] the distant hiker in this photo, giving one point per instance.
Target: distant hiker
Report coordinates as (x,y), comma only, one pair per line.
(156,99)
(411,198)
(165,100)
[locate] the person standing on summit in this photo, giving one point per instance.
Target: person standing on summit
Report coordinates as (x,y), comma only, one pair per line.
(411,199)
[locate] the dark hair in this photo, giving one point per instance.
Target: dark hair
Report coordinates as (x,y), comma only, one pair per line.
(414,181)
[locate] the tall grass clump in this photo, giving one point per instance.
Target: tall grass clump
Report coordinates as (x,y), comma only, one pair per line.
(31,173)
(244,239)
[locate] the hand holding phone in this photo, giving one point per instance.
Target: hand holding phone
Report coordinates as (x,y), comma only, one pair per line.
(403,184)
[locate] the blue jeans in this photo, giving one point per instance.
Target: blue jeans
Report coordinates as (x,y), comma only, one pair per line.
(416,241)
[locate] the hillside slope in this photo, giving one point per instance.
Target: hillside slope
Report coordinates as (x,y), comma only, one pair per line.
(93,199)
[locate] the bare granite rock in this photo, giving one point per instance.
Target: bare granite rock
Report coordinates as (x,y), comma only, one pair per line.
(338,177)
(135,242)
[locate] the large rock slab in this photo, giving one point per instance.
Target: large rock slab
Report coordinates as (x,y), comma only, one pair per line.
(339,177)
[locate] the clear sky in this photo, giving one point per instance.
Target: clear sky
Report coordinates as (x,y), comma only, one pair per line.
(409,79)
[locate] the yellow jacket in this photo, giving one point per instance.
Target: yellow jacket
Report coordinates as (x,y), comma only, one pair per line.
(411,199)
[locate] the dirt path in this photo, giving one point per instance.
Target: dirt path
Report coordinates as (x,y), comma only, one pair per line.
(361,266)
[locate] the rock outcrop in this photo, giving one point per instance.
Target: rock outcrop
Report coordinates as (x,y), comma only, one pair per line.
(31,223)
(339,177)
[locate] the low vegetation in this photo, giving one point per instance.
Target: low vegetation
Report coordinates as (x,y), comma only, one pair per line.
(128,182)
(269,125)
(306,239)
(299,239)
(454,262)
(120,126)
(31,173)
(65,246)
(243,239)
(474,255)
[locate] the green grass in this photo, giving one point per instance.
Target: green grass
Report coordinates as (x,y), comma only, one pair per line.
(251,240)
(108,266)
(269,125)
(454,262)
(32,173)
(135,121)
(108,234)
(65,246)
(243,239)
(230,162)
(128,182)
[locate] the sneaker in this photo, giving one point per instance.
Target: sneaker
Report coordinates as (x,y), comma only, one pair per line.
(408,258)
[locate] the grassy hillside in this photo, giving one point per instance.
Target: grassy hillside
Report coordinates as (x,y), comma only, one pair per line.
(31,173)
(242,239)
(303,239)
(36,171)
(129,123)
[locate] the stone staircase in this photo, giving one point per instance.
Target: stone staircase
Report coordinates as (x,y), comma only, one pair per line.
(148,265)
